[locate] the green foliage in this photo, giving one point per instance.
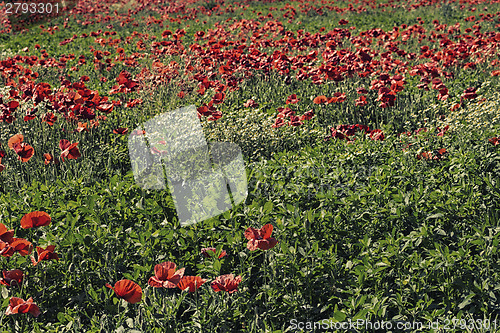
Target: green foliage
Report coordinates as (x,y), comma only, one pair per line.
(366,230)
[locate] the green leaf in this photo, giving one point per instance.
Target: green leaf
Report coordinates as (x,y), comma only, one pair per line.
(339,316)
(466,301)
(5,292)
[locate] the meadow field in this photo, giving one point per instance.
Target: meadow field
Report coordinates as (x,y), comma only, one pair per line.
(370,131)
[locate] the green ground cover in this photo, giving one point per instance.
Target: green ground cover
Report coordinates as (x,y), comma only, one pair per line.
(367,229)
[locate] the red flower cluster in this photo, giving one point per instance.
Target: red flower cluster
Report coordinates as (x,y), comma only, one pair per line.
(25,152)
(9,245)
(435,155)
(345,132)
(133,102)
(167,276)
(125,84)
(388,86)
(209,111)
(286,112)
(6,110)
(338,97)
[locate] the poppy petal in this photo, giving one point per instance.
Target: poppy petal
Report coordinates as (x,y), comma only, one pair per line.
(18,138)
(191,282)
(128,290)
(35,219)
(266,231)
(6,235)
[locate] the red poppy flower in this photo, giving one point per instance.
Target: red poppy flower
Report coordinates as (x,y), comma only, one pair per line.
(337,98)
(343,22)
(35,219)
(377,134)
(128,290)
(442,131)
(5,249)
(18,305)
(24,151)
(292,99)
(133,102)
(21,245)
(12,278)
(422,129)
(294,121)
(307,116)
(82,127)
(49,118)
(226,282)
(218,98)
(469,93)
(348,130)
(18,138)
(278,123)
(166,33)
(30,114)
(205,252)
(120,130)
(191,282)
(425,155)
(320,100)
(436,155)
(285,112)
(49,159)
(337,135)
(45,254)
(105,107)
(214,116)
(495,141)
(260,238)
(166,275)
(70,150)
(6,235)
(250,104)
(361,101)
